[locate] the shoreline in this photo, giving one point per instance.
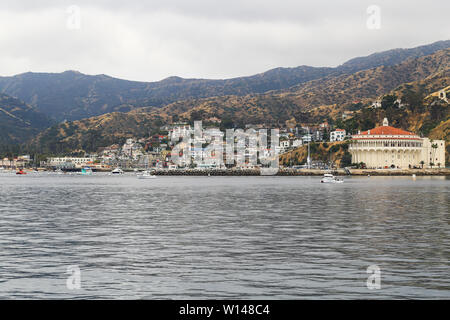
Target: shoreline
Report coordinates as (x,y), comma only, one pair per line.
(288,172)
(306,172)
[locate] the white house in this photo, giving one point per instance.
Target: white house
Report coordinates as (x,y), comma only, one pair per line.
(307,138)
(297,143)
(337,135)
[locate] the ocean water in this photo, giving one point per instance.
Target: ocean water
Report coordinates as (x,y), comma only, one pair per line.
(223,237)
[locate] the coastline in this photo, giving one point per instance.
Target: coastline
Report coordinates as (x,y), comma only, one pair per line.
(284,172)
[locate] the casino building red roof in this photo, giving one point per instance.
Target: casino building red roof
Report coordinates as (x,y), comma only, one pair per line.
(387,130)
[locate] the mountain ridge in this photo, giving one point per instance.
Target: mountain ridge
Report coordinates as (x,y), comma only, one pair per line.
(72,95)
(308,103)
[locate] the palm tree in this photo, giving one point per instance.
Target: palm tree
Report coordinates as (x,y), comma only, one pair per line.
(422,163)
(434,147)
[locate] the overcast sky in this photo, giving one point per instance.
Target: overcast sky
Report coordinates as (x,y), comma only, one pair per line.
(155,39)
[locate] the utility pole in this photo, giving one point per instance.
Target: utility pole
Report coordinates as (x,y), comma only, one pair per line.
(308,160)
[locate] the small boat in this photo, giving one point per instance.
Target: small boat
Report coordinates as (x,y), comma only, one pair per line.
(117,171)
(86,171)
(329,178)
(21,172)
(59,171)
(268,171)
(146,175)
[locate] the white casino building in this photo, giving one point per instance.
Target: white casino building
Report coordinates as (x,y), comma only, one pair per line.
(387,147)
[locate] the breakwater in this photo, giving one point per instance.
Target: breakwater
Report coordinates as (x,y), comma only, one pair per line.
(306,172)
(288,172)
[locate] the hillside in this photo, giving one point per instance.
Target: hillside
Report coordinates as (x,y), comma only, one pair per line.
(18,121)
(301,102)
(392,57)
(335,152)
(274,108)
(92,133)
(72,95)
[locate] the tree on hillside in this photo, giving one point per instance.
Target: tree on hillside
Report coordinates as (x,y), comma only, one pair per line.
(227,123)
(346,159)
(389,101)
(413,99)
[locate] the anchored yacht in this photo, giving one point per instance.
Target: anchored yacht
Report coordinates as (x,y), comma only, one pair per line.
(329,178)
(117,171)
(146,175)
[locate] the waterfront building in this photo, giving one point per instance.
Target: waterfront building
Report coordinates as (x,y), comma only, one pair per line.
(18,162)
(77,162)
(389,147)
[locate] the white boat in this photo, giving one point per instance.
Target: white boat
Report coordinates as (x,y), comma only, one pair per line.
(329,178)
(146,175)
(268,171)
(117,171)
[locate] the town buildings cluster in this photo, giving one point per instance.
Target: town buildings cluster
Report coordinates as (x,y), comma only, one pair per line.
(155,151)
(381,147)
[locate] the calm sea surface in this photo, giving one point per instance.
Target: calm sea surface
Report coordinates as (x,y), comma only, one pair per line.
(223,237)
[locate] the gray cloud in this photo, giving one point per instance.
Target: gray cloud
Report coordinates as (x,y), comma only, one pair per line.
(151,40)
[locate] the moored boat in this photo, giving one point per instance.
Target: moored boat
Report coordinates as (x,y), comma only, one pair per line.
(117,171)
(329,178)
(146,175)
(87,171)
(268,171)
